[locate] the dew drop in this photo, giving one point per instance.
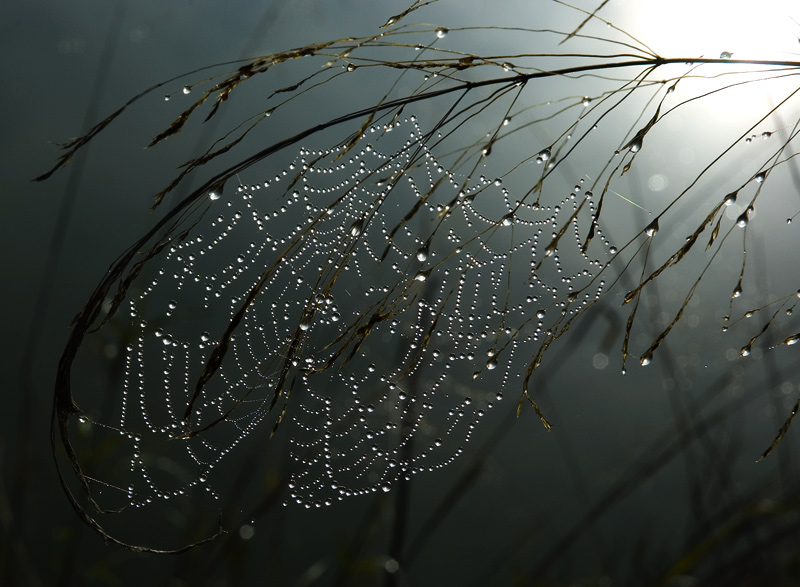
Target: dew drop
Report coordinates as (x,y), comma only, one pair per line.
(186,89)
(792,340)
(652,228)
(725,55)
(423,275)
(744,217)
(441,32)
(760,177)
(543,156)
(647,358)
(422,253)
(357,227)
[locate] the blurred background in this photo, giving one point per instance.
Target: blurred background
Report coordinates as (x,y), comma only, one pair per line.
(645,478)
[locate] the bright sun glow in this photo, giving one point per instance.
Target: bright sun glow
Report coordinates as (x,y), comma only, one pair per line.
(747,29)
(766,30)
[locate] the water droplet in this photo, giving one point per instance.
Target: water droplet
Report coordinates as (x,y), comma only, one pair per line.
(737,292)
(351,67)
(647,358)
(543,156)
(725,55)
(745,350)
(173,304)
(441,32)
(792,340)
(744,217)
(491,364)
(652,228)
(760,177)
(508,219)
(213,196)
(357,227)
(587,101)
(730,198)
(423,275)
(765,135)
(186,89)
(422,253)
(635,145)
(205,337)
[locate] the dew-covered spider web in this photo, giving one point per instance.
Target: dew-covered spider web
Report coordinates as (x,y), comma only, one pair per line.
(382,305)
(372,296)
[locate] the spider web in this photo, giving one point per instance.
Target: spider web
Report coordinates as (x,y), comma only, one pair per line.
(372,302)
(385,305)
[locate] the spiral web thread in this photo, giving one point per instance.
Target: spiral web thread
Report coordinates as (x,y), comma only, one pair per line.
(381,342)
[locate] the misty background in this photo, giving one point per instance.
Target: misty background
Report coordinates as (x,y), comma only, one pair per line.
(637,472)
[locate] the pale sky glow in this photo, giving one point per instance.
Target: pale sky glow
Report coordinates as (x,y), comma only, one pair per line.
(747,30)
